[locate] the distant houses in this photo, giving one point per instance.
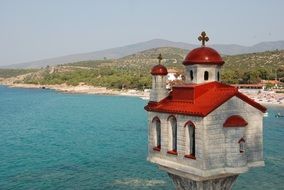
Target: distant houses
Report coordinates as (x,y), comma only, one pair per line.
(264,84)
(175,77)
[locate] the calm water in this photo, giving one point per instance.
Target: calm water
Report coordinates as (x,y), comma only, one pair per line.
(50,140)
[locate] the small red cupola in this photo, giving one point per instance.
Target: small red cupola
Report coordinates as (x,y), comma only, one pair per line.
(203,55)
(159,69)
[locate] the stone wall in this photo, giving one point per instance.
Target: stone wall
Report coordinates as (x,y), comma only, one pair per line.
(224,183)
(234,158)
(158,91)
(221,144)
(169,159)
(217,149)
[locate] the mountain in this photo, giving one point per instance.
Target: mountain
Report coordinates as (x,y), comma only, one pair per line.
(133,71)
(173,58)
(114,53)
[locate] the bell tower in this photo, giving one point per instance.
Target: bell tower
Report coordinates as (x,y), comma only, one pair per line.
(203,64)
(159,77)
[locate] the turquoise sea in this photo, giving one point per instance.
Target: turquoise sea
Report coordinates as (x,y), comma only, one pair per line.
(51,140)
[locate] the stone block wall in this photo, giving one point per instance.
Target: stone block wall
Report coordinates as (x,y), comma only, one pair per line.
(217,148)
(224,183)
(222,144)
(158,91)
(234,158)
(181,146)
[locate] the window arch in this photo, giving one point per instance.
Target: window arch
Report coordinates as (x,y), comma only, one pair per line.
(190,139)
(191,75)
(206,75)
(235,121)
(172,126)
(242,145)
(157,133)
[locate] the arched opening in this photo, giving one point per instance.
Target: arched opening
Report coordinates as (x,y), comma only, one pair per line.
(191,75)
(206,75)
(190,140)
(157,133)
(172,126)
(242,145)
(218,76)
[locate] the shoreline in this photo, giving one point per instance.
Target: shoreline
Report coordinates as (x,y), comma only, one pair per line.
(81,89)
(267,98)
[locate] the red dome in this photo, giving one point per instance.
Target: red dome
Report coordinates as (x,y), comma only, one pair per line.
(203,55)
(159,70)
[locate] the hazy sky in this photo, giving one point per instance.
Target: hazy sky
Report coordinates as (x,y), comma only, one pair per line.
(38,29)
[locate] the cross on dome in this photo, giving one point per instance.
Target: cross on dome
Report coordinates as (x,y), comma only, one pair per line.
(203,38)
(159,69)
(160,58)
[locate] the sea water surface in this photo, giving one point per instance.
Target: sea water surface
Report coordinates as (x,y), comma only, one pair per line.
(51,140)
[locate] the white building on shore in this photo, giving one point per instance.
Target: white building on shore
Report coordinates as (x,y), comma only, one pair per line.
(203,133)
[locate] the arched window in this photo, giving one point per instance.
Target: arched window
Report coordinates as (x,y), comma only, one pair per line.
(242,145)
(191,75)
(172,126)
(157,133)
(190,140)
(206,75)
(218,76)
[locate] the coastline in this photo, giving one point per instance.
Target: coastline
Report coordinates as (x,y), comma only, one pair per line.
(267,98)
(81,89)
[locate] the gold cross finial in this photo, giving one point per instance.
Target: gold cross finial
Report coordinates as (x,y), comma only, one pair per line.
(160,58)
(203,38)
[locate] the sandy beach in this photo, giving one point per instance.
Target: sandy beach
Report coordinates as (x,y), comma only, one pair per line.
(266,97)
(80,89)
(260,96)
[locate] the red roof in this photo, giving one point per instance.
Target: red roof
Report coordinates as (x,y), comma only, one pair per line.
(198,99)
(203,55)
(159,70)
(235,121)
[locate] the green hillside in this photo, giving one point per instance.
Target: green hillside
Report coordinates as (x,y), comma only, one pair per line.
(6,73)
(148,58)
(245,68)
(134,71)
(250,68)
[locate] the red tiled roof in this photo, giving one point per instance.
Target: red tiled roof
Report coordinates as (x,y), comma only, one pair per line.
(271,81)
(198,100)
(247,85)
(235,121)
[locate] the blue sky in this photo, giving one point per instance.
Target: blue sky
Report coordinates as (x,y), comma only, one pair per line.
(38,29)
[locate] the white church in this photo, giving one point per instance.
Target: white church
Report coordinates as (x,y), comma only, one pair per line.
(203,133)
